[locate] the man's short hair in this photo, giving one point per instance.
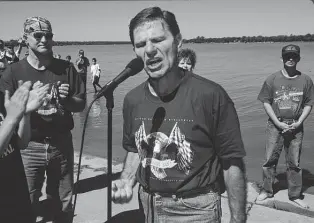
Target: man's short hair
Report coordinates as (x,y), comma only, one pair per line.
(37,23)
(151,14)
(187,53)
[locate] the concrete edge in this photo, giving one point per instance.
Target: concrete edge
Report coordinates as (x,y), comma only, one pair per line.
(278,202)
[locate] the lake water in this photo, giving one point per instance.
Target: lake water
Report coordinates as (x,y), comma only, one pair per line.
(240,68)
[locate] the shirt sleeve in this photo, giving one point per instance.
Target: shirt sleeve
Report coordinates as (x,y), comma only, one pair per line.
(265,95)
(228,139)
(128,140)
(309,93)
(77,87)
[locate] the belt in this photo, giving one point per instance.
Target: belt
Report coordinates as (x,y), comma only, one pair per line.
(287,121)
(185,194)
(42,139)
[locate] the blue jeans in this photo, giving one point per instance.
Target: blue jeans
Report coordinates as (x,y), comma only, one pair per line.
(53,156)
(292,143)
(203,208)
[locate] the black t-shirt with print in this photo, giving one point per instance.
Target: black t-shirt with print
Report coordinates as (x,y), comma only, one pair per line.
(51,117)
(15,205)
(182,140)
(287,96)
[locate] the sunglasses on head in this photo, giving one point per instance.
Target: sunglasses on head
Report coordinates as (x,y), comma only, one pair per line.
(39,35)
(291,56)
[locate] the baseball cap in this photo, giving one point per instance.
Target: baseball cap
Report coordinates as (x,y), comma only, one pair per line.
(291,48)
(37,23)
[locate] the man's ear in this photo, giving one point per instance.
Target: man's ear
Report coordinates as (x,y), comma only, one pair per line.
(178,40)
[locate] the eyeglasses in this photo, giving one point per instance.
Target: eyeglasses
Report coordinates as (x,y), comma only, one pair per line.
(291,56)
(39,35)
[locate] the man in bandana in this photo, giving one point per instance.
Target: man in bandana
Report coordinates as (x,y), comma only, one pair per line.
(50,150)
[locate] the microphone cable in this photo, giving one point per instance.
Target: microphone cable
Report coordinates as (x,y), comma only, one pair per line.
(80,158)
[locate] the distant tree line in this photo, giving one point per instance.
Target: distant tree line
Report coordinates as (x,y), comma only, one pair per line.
(13,42)
(253,39)
(200,39)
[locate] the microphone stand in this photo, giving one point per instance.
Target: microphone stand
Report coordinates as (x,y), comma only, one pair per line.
(109,105)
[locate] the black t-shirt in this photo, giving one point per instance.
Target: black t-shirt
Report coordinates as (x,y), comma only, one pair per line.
(181,141)
(15,205)
(287,96)
(51,117)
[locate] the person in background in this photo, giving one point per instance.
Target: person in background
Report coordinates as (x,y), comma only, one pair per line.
(181,132)
(3,59)
(19,47)
(68,58)
(187,59)
(287,97)
(95,72)
(11,55)
(82,63)
(50,150)
(15,204)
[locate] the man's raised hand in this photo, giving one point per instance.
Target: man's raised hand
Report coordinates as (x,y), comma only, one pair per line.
(16,105)
(36,96)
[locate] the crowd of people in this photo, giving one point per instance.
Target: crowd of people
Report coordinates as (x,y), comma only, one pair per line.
(181,131)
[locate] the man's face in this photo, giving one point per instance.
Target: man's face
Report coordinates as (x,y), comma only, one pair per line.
(40,41)
(157,47)
(291,59)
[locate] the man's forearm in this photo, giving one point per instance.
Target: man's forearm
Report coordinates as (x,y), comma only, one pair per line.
(234,175)
(6,132)
(24,132)
(131,164)
(306,111)
(74,104)
(270,112)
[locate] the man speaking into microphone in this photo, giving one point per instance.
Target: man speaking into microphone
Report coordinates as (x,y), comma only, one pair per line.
(181,132)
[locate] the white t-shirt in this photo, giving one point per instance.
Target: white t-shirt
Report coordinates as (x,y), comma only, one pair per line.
(95,70)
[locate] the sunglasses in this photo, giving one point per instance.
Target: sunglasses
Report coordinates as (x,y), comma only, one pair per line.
(39,35)
(291,56)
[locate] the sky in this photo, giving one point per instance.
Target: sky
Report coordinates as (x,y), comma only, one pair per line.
(109,20)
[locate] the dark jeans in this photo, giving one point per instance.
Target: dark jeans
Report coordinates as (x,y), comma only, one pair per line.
(84,78)
(292,143)
(53,156)
(202,208)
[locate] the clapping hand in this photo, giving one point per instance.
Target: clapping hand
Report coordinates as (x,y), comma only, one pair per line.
(63,90)
(36,96)
(16,105)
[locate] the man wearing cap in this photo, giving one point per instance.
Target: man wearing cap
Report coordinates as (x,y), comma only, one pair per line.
(288,97)
(82,63)
(50,150)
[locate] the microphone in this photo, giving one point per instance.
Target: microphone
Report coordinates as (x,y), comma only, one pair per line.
(134,66)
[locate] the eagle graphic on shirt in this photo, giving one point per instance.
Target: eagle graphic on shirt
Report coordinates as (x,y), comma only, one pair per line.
(288,98)
(159,152)
(51,105)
